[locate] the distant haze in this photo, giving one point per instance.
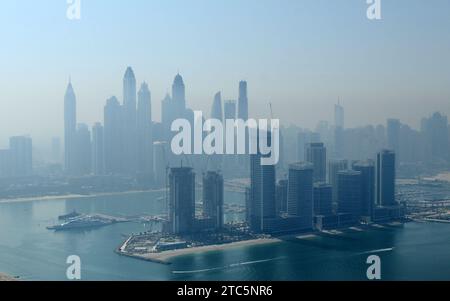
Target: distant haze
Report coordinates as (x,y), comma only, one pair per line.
(300,55)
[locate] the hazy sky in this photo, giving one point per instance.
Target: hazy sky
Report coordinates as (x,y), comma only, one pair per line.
(301,55)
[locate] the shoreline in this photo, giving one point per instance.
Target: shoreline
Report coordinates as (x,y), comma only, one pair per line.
(165,256)
(74,196)
(4,277)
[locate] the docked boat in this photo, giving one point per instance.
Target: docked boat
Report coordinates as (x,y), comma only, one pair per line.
(70,215)
(84,222)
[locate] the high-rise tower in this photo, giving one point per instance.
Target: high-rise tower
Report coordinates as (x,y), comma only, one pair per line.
(243,101)
(300,193)
(21,156)
(349,193)
(144,132)
(367,170)
(262,203)
(70,129)
(181,200)
(83,150)
(130,122)
(316,153)
(334,167)
(229,108)
(385,179)
(113,133)
(213,197)
(393,136)
(216,110)
(179,95)
(98,149)
(129,96)
(339,117)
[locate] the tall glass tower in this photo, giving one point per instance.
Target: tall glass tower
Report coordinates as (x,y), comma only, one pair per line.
(70,129)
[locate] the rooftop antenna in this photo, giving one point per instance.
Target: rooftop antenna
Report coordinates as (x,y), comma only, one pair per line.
(271,111)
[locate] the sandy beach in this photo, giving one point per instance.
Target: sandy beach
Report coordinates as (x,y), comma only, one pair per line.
(164,257)
(4,277)
(74,196)
(231,187)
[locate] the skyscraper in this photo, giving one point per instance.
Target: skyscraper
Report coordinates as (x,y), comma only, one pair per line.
(181,200)
(303,139)
(385,179)
(70,129)
(174,107)
(216,110)
(230,109)
(323,203)
(113,132)
(243,101)
(393,136)
(300,193)
(243,114)
(213,197)
(333,168)
(144,130)
(129,96)
(367,170)
(129,122)
(316,153)
(83,150)
(350,193)
(21,156)
(179,95)
(339,116)
(215,161)
(436,133)
(168,115)
(282,196)
(262,191)
(98,149)
(230,163)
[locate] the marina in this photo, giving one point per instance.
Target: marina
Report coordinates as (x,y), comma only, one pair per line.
(81,221)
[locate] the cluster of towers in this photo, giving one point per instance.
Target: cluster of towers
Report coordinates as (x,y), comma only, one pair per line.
(317,193)
(128,142)
(16,161)
(123,144)
(310,198)
(182,218)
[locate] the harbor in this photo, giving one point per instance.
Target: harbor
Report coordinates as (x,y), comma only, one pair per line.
(40,254)
(82,221)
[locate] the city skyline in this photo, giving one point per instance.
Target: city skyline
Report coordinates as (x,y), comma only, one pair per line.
(130,120)
(331,122)
(375,68)
(217,140)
